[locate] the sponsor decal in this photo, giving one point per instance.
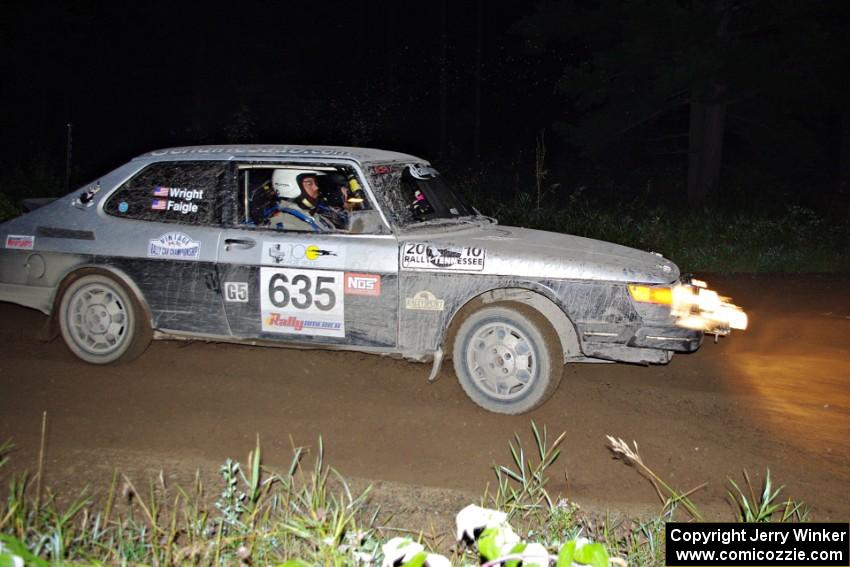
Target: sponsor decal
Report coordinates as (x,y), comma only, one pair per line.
(362,284)
(381,169)
(280,321)
(174,245)
(296,254)
(301,301)
(427,256)
(424,301)
(236,292)
(422,171)
(251,150)
(20,242)
(123,207)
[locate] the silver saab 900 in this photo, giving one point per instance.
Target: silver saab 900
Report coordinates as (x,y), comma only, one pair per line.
(209,243)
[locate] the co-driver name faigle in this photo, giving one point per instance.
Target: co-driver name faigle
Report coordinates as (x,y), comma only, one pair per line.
(726,537)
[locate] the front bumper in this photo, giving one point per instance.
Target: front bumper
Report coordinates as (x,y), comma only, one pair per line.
(647,344)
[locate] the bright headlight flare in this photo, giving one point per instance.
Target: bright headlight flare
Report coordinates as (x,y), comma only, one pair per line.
(697,307)
(650,294)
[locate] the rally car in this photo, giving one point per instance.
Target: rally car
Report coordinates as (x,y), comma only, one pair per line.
(205,243)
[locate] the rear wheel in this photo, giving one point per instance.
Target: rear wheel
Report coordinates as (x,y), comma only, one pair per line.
(508,358)
(102,321)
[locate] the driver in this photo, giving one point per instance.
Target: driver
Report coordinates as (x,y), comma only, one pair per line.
(298,192)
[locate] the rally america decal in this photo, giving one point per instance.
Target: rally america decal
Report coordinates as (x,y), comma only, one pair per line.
(174,245)
(418,255)
(302,302)
(307,255)
(20,242)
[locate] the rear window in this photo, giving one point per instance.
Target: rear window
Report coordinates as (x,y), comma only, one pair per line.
(176,192)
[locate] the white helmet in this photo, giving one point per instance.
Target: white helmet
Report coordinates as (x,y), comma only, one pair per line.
(285,182)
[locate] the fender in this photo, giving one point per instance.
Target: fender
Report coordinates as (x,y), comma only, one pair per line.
(50,330)
(545,306)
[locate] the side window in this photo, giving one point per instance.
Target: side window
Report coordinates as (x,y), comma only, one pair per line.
(299,197)
(178,192)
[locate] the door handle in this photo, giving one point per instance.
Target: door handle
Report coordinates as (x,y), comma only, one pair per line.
(243,243)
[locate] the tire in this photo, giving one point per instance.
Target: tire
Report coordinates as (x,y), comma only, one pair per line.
(508,358)
(102,322)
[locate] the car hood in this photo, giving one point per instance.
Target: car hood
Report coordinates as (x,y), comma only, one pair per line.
(522,252)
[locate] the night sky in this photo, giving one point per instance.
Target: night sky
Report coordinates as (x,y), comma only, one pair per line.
(470,86)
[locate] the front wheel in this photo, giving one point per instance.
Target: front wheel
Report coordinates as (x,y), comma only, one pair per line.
(102,321)
(508,358)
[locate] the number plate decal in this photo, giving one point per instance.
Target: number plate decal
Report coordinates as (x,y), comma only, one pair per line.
(302,302)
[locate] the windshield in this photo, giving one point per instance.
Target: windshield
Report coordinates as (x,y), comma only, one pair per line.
(416,193)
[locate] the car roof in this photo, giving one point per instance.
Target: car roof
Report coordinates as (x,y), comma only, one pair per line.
(233,151)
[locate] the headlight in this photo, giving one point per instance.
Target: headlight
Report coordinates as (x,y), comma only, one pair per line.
(650,294)
(694,306)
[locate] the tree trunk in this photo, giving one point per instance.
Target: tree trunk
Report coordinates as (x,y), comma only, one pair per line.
(705,148)
(444,88)
(844,153)
(708,122)
(476,127)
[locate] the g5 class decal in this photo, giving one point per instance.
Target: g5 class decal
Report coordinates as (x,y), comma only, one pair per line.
(302,302)
(236,292)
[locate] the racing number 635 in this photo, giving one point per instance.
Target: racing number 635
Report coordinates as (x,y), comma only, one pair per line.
(300,292)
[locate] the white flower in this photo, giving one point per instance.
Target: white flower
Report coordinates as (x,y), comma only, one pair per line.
(17,561)
(436,560)
(363,557)
(399,550)
(472,520)
(535,554)
(505,539)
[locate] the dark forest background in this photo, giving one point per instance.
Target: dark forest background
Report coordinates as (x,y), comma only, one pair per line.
(736,104)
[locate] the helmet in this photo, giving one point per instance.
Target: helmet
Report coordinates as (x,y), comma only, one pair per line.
(287,182)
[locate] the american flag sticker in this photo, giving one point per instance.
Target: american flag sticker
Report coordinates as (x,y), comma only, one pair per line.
(160,191)
(159,204)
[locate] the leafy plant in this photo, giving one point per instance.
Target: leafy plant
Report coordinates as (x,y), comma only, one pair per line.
(763,508)
(521,487)
(669,496)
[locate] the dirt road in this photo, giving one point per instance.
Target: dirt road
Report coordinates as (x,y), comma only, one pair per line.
(777,395)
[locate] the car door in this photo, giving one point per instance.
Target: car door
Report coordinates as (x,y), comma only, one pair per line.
(332,288)
(163,232)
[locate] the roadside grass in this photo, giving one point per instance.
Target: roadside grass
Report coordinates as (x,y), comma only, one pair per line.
(8,208)
(796,240)
(308,515)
